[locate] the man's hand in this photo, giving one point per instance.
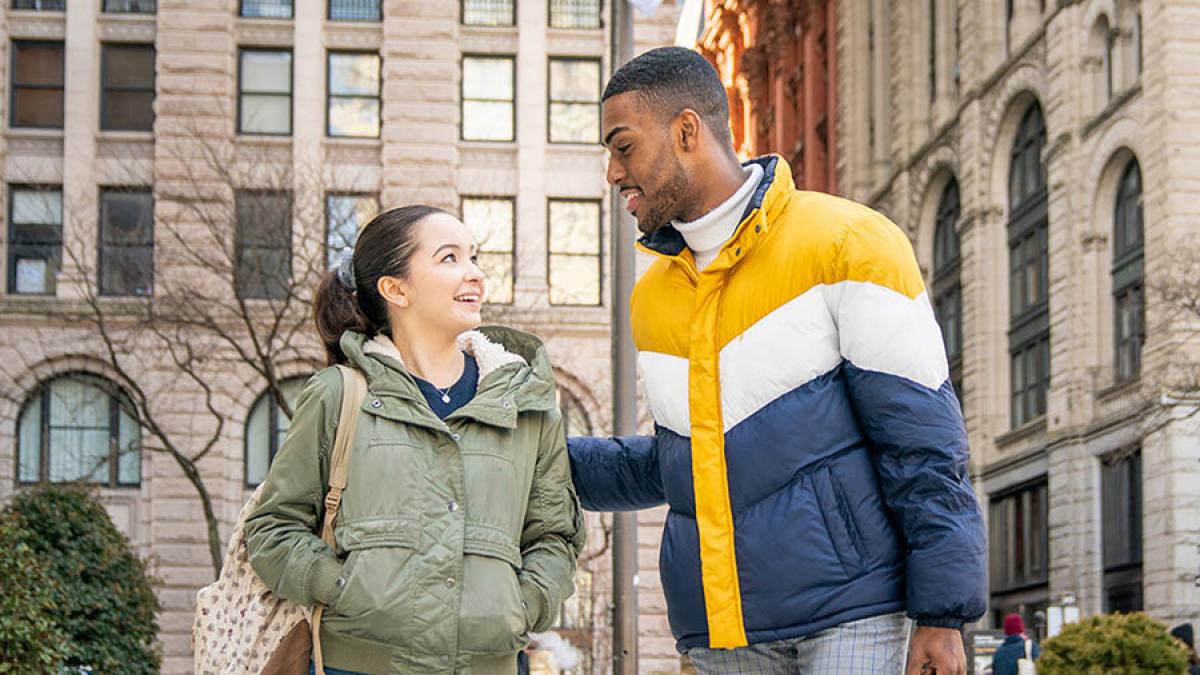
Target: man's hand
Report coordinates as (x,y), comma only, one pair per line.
(936,650)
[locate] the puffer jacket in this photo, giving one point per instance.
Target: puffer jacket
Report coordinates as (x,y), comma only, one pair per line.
(455,538)
(807,437)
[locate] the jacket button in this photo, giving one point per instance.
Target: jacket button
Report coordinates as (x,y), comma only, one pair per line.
(758,227)
(507,404)
(376,403)
(445,659)
(737,251)
(450,582)
(456,437)
(341,581)
(453,506)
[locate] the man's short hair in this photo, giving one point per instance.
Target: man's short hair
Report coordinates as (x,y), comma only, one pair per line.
(671,79)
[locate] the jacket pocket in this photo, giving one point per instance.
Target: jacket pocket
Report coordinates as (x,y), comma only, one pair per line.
(491,617)
(834,512)
(376,599)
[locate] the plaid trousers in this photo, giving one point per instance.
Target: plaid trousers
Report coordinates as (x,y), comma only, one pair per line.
(874,646)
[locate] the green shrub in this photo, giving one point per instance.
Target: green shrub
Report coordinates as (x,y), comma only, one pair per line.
(105,599)
(30,640)
(1131,644)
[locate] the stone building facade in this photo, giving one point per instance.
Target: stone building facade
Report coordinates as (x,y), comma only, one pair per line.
(488,109)
(1039,155)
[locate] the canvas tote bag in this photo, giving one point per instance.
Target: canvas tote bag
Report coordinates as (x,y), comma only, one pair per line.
(240,625)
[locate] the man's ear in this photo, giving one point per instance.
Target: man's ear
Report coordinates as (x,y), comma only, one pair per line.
(688,129)
(393,291)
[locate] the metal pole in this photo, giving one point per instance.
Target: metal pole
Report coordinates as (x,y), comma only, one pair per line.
(624,373)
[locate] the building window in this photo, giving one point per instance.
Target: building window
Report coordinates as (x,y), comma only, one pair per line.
(1128,288)
(355,10)
(41,5)
(1028,252)
(574,13)
(345,216)
(37,84)
(264,245)
(574,101)
(574,226)
(130,6)
(266,428)
(266,9)
(265,92)
(487,12)
(487,98)
(353,95)
(947,287)
(34,239)
(1018,548)
(492,222)
(127,90)
(1121,498)
(126,242)
(79,427)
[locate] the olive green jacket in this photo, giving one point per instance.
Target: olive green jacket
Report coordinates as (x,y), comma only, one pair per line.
(455,538)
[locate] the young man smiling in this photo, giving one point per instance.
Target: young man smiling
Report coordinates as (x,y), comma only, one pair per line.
(807,438)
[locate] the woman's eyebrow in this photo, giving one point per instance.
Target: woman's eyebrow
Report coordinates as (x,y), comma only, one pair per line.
(445,246)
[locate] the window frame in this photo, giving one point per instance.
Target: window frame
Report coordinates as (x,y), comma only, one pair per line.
(13,5)
(239,280)
(42,395)
(462,97)
(14,249)
(329,16)
(14,87)
(599,18)
(1122,515)
(1128,272)
(1028,235)
(105,9)
(947,277)
(330,96)
(291,95)
(273,415)
(512,254)
(1006,581)
(599,254)
(101,246)
(333,194)
(462,16)
(242,12)
(105,88)
(551,101)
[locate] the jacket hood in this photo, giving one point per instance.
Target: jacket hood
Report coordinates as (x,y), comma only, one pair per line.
(512,364)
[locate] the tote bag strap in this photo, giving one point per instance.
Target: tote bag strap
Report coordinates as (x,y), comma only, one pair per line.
(354,390)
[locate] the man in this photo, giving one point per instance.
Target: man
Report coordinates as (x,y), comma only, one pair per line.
(807,439)
(1005,660)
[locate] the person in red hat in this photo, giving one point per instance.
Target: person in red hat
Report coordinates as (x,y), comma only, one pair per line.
(1015,647)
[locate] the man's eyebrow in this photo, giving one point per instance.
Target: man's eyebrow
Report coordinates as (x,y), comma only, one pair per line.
(614,132)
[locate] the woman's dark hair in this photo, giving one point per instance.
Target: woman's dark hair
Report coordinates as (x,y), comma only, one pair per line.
(384,249)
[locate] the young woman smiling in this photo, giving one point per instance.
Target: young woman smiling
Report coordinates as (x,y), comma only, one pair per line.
(459,528)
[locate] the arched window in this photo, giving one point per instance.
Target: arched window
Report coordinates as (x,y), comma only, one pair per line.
(1029,256)
(947,287)
(79,427)
(1128,306)
(266,428)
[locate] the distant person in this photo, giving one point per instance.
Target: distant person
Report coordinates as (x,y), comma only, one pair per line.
(1183,633)
(1004,661)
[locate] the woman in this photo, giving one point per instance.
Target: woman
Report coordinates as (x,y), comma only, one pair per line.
(459,528)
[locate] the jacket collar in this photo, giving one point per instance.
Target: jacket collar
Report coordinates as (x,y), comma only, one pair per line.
(515,376)
(770,195)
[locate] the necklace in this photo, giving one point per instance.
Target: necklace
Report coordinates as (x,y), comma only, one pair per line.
(445,393)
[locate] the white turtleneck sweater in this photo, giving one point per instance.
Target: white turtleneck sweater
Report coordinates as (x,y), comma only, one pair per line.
(708,233)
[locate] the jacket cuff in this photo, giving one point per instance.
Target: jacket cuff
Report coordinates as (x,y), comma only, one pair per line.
(325,580)
(533,599)
(940,622)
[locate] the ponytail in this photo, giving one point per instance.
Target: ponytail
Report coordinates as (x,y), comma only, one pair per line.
(335,311)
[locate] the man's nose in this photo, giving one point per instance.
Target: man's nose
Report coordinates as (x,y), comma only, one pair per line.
(615,173)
